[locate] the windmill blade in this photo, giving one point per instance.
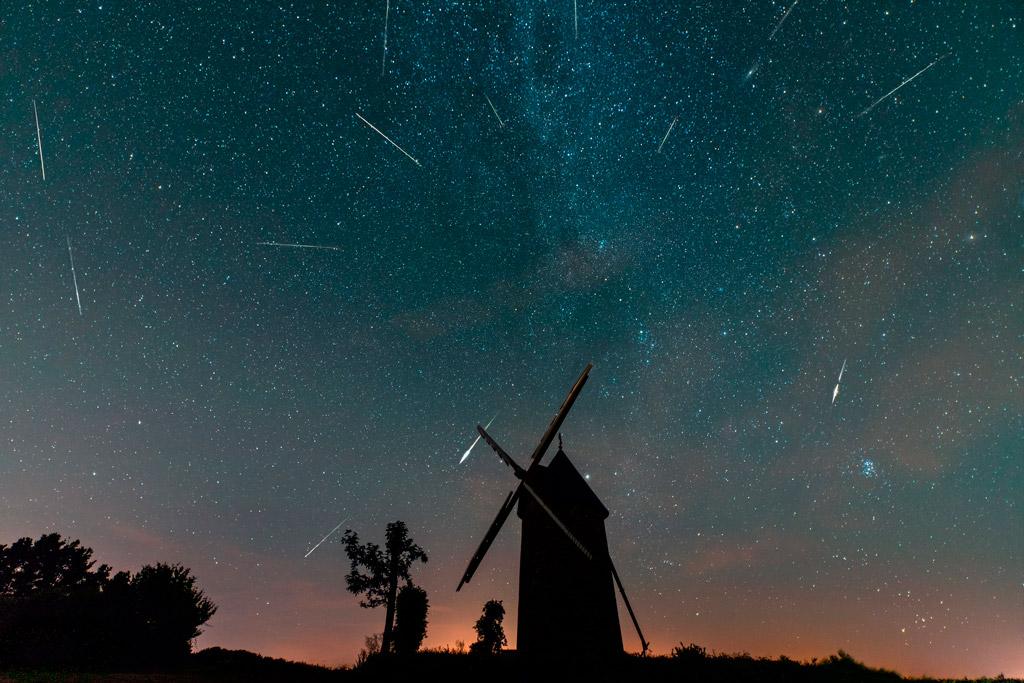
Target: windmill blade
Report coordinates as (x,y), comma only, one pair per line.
(629,608)
(556,422)
(505,457)
(513,497)
(492,532)
(554,517)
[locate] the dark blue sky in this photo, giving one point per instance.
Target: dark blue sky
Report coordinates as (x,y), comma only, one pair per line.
(224,404)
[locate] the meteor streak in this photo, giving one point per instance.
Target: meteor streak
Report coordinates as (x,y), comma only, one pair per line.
(835,392)
(297,246)
(78,299)
(388,139)
(384,59)
(323,539)
(575,19)
(39,139)
(667,132)
(782,20)
(500,122)
(888,94)
(470,449)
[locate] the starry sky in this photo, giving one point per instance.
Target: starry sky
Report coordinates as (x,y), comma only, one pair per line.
(224,404)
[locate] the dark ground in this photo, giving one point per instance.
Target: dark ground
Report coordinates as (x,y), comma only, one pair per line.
(692,664)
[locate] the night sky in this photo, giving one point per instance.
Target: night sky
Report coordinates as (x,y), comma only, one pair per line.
(224,404)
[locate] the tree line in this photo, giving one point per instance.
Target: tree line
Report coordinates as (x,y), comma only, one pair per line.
(57,608)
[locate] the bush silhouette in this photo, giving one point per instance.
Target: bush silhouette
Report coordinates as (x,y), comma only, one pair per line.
(689,653)
(410,619)
(490,636)
(370,649)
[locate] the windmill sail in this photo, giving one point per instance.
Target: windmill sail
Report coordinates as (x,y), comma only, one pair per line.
(556,422)
(556,585)
(505,457)
(558,522)
(492,532)
(513,497)
(521,474)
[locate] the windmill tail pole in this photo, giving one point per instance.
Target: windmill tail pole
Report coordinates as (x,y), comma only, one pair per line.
(629,608)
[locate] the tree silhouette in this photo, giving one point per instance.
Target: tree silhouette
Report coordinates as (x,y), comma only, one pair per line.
(490,636)
(50,564)
(50,602)
(169,611)
(376,572)
(410,618)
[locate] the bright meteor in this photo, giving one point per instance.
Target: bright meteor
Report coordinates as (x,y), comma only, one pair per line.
(388,139)
(384,59)
(500,122)
(667,132)
(324,539)
(782,20)
(297,246)
(888,94)
(472,445)
(835,392)
(78,299)
(39,140)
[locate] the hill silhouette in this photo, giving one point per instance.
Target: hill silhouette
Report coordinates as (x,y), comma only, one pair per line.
(687,663)
(690,663)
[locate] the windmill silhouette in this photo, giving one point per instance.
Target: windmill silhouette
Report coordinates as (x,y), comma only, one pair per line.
(566,598)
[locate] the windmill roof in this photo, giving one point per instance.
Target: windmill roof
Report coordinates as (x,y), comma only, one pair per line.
(570,487)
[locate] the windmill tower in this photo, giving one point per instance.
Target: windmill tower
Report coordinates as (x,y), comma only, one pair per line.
(566,598)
